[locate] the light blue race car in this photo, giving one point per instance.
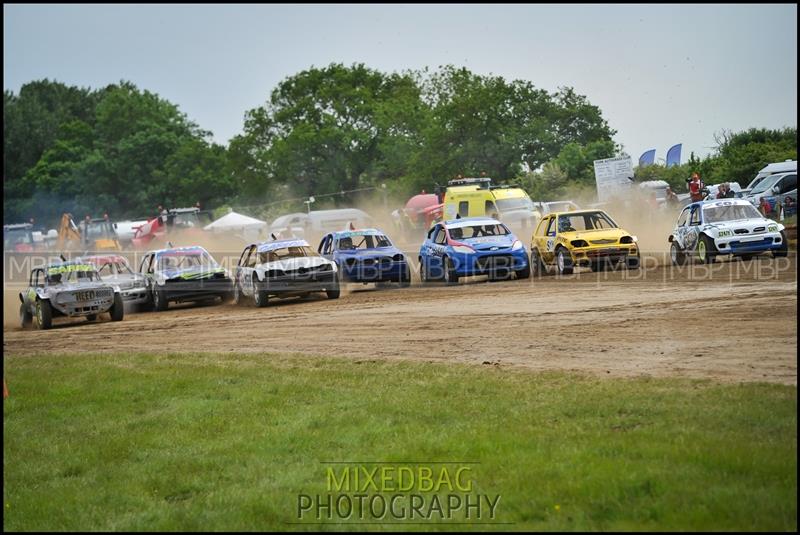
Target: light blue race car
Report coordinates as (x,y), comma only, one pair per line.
(472,246)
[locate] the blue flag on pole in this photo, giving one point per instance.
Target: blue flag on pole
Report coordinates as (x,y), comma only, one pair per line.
(647,158)
(674,155)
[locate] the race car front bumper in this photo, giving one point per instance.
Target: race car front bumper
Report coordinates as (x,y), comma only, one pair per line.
(76,309)
(299,283)
(587,255)
(750,244)
(483,263)
(374,271)
(197,290)
(134,296)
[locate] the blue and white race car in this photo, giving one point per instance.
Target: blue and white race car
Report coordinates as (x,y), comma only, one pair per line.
(472,246)
(366,256)
(728,226)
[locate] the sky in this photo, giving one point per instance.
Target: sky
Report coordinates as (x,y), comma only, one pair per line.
(661,74)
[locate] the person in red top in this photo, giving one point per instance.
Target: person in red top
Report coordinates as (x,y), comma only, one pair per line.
(695,187)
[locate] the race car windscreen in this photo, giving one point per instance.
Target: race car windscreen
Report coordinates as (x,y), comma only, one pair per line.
(276,255)
(584,221)
(74,277)
(509,205)
(733,212)
(186,260)
(353,243)
(114,268)
(478,231)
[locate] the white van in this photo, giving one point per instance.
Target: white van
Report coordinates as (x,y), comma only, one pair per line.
(787,166)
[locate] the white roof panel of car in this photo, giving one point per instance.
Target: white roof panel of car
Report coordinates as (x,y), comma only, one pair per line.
(469,221)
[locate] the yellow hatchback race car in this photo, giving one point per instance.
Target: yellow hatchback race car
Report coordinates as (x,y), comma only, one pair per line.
(582,238)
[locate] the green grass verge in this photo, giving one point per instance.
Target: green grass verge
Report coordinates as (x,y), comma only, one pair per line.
(213,442)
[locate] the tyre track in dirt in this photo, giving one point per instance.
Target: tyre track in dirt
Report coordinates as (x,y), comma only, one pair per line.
(736,322)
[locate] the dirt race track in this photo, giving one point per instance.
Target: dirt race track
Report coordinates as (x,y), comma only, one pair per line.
(732,321)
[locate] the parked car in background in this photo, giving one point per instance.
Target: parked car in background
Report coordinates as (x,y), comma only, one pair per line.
(775,193)
(18,238)
(283,268)
(786,166)
(707,229)
(68,289)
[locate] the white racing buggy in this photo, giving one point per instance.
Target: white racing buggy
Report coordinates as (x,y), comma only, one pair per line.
(708,229)
(72,289)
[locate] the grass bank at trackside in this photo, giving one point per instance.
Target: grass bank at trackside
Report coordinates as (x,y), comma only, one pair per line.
(213,442)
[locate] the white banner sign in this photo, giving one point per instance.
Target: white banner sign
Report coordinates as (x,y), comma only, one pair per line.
(613,176)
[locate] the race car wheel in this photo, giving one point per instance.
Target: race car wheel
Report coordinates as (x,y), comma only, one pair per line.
(677,255)
(706,250)
(537,266)
(260,297)
(524,273)
(237,294)
(91,317)
(423,272)
(405,278)
(784,250)
(334,292)
(564,262)
(450,276)
(44,314)
(25,316)
(117,309)
(160,302)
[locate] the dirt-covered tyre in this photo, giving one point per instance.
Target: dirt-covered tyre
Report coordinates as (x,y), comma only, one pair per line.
(405,278)
(160,302)
(424,275)
(784,250)
(117,309)
(91,317)
(706,250)
(633,262)
(260,297)
(537,265)
(237,294)
(334,292)
(450,275)
(676,254)
(564,262)
(44,314)
(25,316)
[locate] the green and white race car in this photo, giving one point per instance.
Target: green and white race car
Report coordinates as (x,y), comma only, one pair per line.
(71,289)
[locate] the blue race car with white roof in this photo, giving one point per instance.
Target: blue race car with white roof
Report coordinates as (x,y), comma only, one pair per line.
(365,256)
(707,229)
(283,268)
(472,246)
(181,274)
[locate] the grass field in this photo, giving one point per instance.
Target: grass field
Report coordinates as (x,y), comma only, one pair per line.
(213,442)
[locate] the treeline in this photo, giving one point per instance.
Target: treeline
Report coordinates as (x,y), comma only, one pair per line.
(324,130)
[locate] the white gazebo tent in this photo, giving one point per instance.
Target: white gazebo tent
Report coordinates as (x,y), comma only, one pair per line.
(233,222)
